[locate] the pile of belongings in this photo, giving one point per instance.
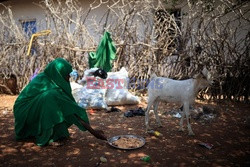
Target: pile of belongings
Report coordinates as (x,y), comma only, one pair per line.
(112,91)
(86,96)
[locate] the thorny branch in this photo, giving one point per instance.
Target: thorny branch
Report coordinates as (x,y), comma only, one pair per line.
(149,37)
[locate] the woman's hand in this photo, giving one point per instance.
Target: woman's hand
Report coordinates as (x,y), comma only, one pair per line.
(99,134)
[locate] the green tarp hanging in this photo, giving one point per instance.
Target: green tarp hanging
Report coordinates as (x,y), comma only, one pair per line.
(104,54)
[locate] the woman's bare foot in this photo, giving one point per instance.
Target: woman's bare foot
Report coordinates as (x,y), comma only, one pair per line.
(56,143)
(59,142)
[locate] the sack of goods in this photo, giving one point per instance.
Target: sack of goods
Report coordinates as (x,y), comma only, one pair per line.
(96,93)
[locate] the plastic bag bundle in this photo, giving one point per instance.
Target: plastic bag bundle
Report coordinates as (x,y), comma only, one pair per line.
(91,98)
(97,93)
(90,95)
(118,93)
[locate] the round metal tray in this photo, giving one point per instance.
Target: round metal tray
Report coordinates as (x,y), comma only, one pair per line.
(112,139)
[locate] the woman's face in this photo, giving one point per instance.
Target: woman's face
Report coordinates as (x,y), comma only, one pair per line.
(67,78)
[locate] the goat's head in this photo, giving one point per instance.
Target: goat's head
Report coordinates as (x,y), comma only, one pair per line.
(211,76)
(205,78)
(100,73)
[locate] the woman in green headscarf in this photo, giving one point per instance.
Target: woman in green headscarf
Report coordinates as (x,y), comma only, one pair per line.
(45,109)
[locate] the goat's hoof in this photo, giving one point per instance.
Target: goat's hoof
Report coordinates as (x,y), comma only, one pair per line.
(191,134)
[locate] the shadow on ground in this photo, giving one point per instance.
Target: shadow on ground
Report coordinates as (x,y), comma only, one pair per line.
(228,134)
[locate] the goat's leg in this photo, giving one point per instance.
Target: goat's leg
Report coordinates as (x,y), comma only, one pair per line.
(186,110)
(156,113)
(181,129)
(147,115)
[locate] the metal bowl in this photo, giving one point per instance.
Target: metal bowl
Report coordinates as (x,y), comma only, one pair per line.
(112,139)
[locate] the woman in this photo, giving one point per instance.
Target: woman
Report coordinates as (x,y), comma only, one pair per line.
(45,109)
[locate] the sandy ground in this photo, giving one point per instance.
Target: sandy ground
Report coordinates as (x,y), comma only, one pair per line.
(227,133)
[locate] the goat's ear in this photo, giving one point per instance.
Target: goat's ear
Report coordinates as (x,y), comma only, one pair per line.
(198,76)
(204,71)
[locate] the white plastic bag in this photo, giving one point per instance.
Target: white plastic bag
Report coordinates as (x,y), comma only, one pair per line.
(75,85)
(90,98)
(114,92)
(121,97)
(117,93)
(90,94)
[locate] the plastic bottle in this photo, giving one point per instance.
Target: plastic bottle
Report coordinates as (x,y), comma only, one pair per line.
(156,133)
(74,74)
(146,158)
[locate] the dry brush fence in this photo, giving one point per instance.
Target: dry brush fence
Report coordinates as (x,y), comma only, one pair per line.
(149,39)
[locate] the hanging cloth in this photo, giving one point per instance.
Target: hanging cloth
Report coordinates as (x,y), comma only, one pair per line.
(104,55)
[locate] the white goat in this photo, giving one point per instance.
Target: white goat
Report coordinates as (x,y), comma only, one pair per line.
(177,91)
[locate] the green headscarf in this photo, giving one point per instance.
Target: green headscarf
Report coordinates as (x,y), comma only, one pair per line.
(45,108)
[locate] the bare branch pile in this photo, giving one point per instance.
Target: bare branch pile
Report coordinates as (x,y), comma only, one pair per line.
(149,36)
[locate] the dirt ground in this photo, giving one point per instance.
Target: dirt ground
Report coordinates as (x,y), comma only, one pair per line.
(227,132)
